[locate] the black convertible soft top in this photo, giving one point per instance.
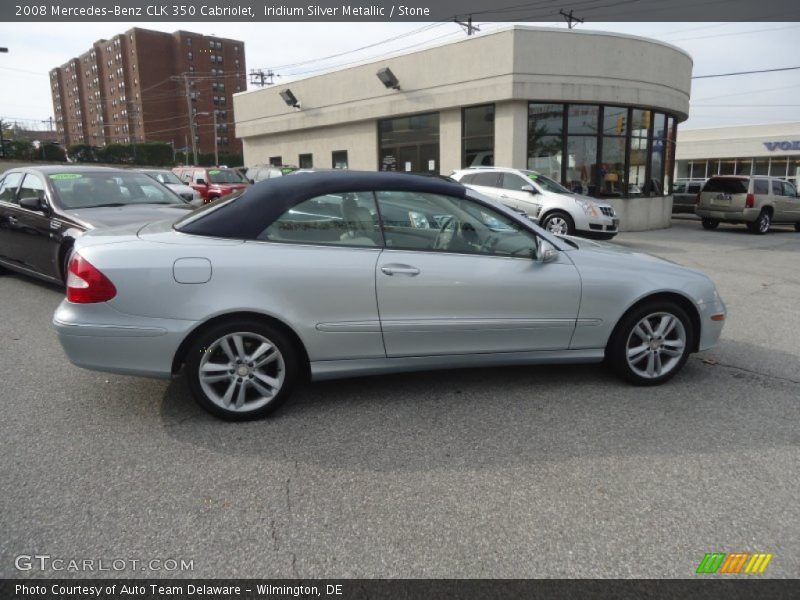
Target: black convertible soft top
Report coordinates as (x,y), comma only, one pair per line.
(248,215)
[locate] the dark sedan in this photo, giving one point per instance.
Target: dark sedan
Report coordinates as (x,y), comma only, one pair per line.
(43,210)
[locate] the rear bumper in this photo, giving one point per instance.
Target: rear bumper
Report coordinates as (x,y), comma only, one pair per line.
(746,215)
(97,337)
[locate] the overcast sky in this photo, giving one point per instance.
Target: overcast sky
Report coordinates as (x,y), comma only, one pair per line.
(715,47)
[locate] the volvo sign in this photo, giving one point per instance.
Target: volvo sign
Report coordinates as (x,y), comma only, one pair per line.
(783,145)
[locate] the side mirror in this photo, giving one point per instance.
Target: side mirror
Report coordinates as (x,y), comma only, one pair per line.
(545,251)
(528,188)
(200,182)
(33,203)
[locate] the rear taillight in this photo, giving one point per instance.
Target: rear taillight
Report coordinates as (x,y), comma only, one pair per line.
(750,202)
(86,284)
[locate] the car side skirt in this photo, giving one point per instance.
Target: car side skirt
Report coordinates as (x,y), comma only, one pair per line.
(336,369)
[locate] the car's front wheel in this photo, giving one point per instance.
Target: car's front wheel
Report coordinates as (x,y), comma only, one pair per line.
(559,223)
(242,370)
(709,223)
(651,343)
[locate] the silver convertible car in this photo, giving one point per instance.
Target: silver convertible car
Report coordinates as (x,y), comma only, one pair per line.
(338,274)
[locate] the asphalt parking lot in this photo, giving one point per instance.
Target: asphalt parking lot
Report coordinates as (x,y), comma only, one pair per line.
(517,472)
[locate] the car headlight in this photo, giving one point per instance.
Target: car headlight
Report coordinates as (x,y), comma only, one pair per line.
(589,207)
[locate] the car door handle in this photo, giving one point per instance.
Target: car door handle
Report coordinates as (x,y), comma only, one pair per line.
(400,270)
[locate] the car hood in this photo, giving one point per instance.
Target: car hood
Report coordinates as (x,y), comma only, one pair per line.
(593,251)
(109,216)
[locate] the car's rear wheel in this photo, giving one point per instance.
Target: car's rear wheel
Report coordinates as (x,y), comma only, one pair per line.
(651,343)
(762,224)
(559,223)
(709,223)
(242,370)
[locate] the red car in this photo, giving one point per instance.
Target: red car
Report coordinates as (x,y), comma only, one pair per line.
(212,182)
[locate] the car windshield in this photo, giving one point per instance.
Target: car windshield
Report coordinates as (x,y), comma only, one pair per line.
(225,176)
(164,177)
(546,183)
(679,187)
(114,188)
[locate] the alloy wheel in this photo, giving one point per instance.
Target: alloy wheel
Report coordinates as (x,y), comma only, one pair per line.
(242,371)
(557,225)
(656,345)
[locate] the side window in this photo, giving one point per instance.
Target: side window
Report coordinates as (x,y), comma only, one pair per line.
(186,176)
(789,190)
(761,186)
(430,222)
(510,181)
(200,174)
(8,188)
(339,159)
(776,188)
(488,179)
(32,187)
(467,178)
(347,219)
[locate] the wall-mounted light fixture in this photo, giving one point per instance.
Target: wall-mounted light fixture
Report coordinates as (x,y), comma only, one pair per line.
(290,98)
(388,78)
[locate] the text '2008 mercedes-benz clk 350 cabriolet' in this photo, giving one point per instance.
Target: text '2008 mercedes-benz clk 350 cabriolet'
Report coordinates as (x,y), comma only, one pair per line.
(337,274)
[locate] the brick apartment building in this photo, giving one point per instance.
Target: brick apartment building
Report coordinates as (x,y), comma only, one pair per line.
(133,88)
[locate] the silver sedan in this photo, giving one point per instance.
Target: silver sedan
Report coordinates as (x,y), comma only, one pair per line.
(344,273)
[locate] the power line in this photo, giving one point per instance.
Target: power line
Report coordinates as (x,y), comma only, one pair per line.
(745,72)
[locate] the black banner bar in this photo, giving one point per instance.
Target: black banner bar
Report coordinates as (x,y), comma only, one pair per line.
(211,11)
(405,589)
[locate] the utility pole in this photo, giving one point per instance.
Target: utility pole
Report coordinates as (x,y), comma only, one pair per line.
(185,78)
(216,150)
(569,18)
(260,78)
(468,26)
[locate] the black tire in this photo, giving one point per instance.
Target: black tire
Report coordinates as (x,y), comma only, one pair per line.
(709,223)
(624,339)
(557,214)
(762,224)
(208,345)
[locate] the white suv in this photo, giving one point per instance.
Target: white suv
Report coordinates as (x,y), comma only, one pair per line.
(544,200)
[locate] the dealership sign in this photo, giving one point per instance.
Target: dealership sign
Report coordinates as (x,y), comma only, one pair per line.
(784,145)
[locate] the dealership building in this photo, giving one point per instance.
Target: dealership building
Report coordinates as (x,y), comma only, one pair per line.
(596,111)
(772,149)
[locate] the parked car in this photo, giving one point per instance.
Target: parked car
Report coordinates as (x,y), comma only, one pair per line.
(344,274)
(170,180)
(258,173)
(43,210)
(211,182)
(684,195)
(755,201)
(552,205)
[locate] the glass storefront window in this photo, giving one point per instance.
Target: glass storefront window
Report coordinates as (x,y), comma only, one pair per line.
(477,136)
(545,119)
(409,143)
(778,167)
(640,122)
(637,172)
(743,166)
(761,166)
(615,120)
(544,156)
(611,175)
(582,119)
(581,167)
(727,166)
(794,171)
